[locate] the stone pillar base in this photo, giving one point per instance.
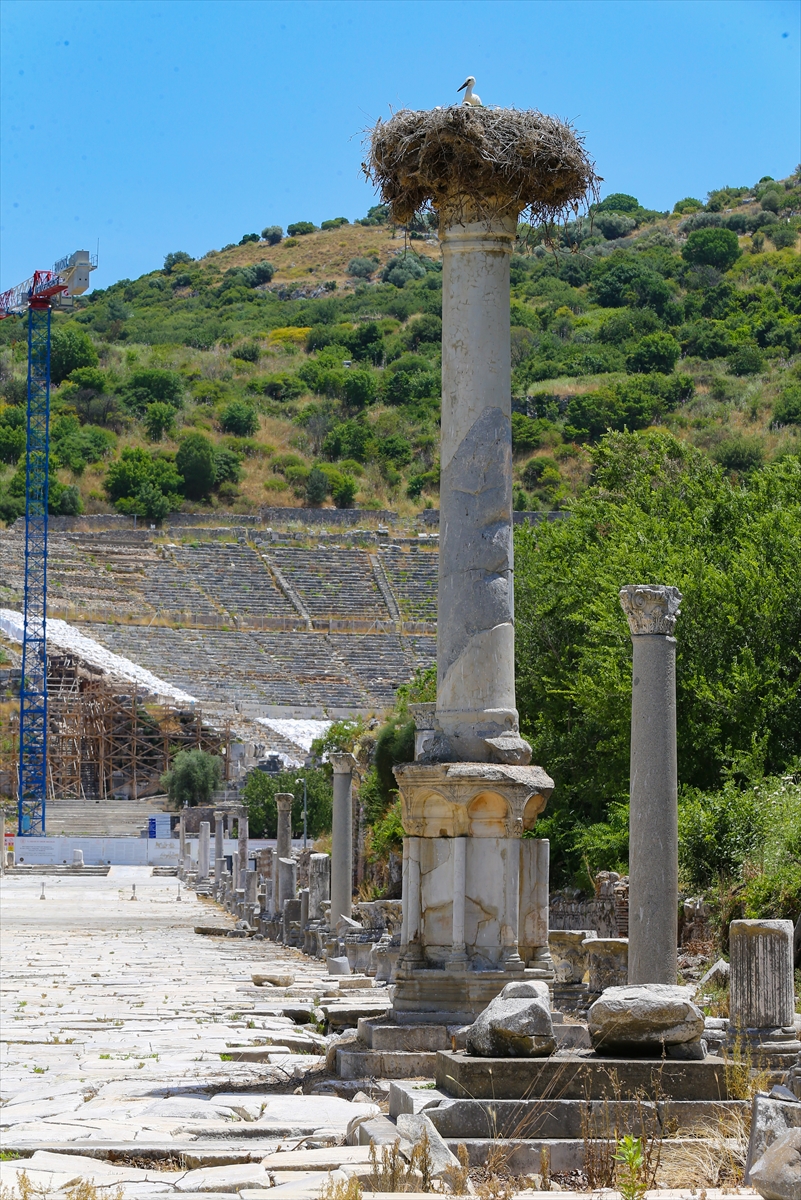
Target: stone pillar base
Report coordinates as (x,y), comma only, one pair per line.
(775,1050)
(447,996)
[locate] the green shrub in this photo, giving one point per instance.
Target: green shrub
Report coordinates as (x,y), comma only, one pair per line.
(159,419)
(70,503)
(334,223)
(427,328)
(400,270)
(272,234)
(249,237)
(771,202)
(135,467)
(740,453)
(239,418)
(193,777)
(349,439)
(150,385)
(195,461)
(656,352)
(688,205)
(362,268)
(783,235)
(541,470)
(150,503)
(76,446)
(613,225)
(359,388)
(395,449)
(12,443)
(344,491)
(70,348)
(247,352)
(227,466)
(14,390)
(787,409)
(746,360)
(300,228)
(712,247)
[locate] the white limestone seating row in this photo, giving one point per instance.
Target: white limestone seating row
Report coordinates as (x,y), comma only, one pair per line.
(219,583)
(281,669)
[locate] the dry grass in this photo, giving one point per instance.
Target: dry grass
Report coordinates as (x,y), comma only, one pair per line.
(480,161)
(713,1157)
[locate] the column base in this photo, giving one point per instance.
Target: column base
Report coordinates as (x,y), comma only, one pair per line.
(775,1049)
(451,995)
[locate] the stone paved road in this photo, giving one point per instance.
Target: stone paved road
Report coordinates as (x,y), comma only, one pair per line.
(121,1028)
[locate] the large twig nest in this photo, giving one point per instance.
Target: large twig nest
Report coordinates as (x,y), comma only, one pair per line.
(480,161)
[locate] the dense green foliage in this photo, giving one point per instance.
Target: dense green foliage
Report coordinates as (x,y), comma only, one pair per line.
(259,796)
(659,510)
(193,777)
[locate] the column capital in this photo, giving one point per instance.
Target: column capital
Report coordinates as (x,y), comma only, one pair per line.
(650,607)
(284,800)
(343,763)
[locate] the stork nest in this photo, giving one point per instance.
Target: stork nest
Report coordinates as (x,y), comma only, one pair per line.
(480,162)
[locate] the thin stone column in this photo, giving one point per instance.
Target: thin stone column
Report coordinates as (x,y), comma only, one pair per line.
(342,838)
(458,959)
(761,1000)
(410,929)
(203,848)
(475,624)
(182,841)
(243,842)
(219,848)
(284,802)
(287,882)
(652,610)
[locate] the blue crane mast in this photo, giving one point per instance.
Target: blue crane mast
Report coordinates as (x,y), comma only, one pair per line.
(37,295)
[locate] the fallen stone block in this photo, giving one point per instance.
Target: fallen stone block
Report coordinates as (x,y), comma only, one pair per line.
(716,977)
(516,1024)
(338,966)
(273,979)
(643,1016)
(771,1118)
(777,1175)
(413,1097)
(412,1127)
(223,1179)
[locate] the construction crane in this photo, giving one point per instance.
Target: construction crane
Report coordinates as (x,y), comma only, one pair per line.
(37,295)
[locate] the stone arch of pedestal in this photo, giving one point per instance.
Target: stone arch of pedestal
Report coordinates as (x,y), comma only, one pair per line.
(488,814)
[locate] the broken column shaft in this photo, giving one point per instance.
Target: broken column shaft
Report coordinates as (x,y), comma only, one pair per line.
(342,837)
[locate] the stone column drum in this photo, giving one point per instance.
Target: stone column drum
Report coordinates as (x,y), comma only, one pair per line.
(342,837)
(242,846)
(761,999)
(181,842)
(284,802)
(219,847)
(652,610)
(203,852)
(319,884)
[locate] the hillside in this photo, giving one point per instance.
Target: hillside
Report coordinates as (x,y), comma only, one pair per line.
(305,370)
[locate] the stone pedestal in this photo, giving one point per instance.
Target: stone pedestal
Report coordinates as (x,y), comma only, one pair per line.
(652,610)
(761,1000)
(342,837)
(571,968)
(219,847)
(284,801)
(287,882)
(203,852)
(319,884)
(607,963)
(463,864)
(181,843)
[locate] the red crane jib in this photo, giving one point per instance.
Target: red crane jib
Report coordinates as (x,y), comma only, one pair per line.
(36,292)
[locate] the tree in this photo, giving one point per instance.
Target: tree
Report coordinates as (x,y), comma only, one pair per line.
(70,347)
(359,389)
(159,419)
(249,237)
(787,409)
(150,503)
(783,236)
(746,360)
(771,202)
(193,777)
(239,418)
(176,259)
(259,797)
(316,487)
(301,228)
(712,247)
(613,225)
(400,270)
(272,234)
(688,205)
(195,461)
(618,202)
(654,352)
(740,453)
(135,467)
(362,268)
(659,509)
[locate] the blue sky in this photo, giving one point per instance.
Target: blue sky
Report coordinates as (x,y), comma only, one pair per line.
(160,125)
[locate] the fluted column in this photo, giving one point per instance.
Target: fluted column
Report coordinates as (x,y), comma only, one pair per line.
(458,958)
(761,999)
(652,610)
(342,838)
(475,625)
(242,846)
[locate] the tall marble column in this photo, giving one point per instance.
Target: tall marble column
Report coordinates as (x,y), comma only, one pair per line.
(182,843)
(203,850)
(284,802)
(219,848)
(242,847)
(342,837)
(761,997)
(652,610)
(475,622)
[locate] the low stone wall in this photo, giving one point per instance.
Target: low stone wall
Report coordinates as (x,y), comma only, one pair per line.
(430,516)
